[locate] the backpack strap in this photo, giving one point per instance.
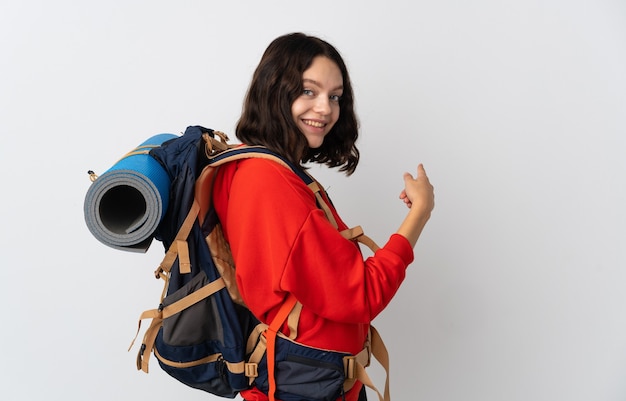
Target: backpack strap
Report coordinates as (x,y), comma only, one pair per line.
(179,248)
(354,366)
(204,182)
(354,233)
(257,341)
(322,203)
(270,335)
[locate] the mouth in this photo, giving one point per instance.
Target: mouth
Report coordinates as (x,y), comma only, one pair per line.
(314,124)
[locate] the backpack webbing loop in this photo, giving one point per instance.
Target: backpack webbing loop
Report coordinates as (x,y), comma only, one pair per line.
(179,248)
(356,233)
(212,145)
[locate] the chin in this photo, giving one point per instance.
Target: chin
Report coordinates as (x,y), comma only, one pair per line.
(316,144)
(314,140)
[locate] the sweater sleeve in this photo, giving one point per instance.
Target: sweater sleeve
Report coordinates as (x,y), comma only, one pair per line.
(282,243)
(346,288)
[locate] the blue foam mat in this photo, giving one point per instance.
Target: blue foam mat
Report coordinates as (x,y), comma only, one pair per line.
(124,206)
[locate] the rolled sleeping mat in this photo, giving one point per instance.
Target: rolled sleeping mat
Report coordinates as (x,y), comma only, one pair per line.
(124,206)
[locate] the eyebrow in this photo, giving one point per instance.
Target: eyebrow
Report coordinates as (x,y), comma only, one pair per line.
(314,82)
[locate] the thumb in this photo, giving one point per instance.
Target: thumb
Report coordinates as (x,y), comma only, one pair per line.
(421,171)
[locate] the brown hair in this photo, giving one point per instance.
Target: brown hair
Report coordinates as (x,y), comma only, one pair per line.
(266,118)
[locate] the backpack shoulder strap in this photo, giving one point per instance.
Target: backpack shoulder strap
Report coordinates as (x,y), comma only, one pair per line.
(204,183)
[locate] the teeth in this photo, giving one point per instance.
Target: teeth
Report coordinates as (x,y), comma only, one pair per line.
(314,123)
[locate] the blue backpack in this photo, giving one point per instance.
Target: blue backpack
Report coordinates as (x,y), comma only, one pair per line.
(201,333)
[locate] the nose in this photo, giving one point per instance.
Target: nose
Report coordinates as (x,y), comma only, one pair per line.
(322,105)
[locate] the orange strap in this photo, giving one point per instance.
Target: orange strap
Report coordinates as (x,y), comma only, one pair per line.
(270,336)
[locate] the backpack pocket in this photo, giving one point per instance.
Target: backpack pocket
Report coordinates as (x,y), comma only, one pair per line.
(200,366)
(190,345)
(304,373)
(196,324)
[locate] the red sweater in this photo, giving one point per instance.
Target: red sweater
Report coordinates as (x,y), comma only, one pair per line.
(282,243)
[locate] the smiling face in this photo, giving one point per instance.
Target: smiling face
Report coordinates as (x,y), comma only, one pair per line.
(316,110)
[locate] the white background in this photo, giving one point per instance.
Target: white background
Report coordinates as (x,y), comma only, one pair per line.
(517,109)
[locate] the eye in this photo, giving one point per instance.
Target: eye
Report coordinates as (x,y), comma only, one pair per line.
(307,92)
(335,98)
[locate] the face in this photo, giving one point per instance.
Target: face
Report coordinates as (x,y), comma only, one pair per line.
(316,110)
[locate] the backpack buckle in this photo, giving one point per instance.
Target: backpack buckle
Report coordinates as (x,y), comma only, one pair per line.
(349,367)
(251,369)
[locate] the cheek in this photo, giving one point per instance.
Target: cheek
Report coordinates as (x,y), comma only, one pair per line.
(296,109)
(336,114)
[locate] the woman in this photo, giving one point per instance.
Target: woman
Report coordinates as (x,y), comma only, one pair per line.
(300,105)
